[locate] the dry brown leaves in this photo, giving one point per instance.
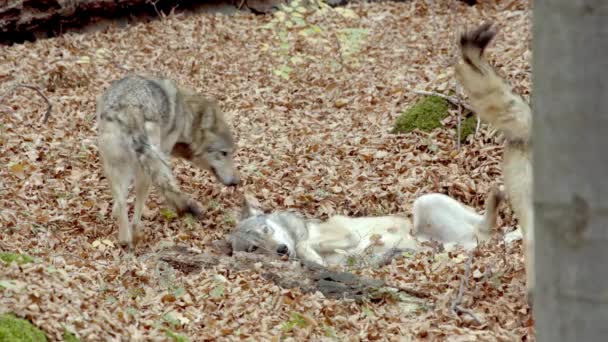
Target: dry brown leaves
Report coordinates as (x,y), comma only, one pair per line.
(297,149)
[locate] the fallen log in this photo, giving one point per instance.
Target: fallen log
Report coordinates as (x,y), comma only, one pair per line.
(28,20)
(290,275)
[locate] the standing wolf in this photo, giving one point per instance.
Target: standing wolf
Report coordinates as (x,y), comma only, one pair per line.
(494,101)
(141,121)
(341,240)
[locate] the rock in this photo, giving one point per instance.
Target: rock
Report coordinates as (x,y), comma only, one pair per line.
(425,115)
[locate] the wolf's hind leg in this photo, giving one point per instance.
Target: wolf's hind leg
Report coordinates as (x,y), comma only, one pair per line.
(142,190)
(343,243)
(121,177)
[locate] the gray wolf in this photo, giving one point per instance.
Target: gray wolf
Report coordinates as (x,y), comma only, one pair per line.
(141,122)
(493,100)
(341,240)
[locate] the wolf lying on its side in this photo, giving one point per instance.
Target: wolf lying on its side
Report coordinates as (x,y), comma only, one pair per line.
(494,101)
(141,121)
(340,239)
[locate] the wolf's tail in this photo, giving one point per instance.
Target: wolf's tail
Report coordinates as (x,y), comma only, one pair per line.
(495,197)
(490,95)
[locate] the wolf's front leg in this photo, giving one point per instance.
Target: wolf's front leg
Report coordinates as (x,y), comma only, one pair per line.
(156,166)
(306,253)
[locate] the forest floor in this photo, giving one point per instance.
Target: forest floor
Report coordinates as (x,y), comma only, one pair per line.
(312,98)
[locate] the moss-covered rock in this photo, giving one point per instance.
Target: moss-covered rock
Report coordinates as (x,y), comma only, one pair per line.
(14,257)
(425,115)
(69,337)
(467,127)
(13,329)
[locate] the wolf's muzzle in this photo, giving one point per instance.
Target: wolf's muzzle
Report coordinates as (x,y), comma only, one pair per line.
(231,181)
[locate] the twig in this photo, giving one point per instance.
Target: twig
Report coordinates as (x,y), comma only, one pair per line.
(464,282)
(459,125)
(339,48)
(241,5)
(36,89)
(411,292)
(153,3)
(458,91)
(456,102)
(453,100)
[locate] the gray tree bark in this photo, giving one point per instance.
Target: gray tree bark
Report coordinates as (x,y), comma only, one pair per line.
(570,137)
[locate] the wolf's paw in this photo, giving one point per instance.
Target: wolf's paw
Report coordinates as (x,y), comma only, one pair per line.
(126,244)
(193,208)
(125,237)
(138,234)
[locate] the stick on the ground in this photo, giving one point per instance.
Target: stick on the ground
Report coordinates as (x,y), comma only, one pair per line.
(458,129)
(456,102)
(36,89)
(463,283)
(453,100)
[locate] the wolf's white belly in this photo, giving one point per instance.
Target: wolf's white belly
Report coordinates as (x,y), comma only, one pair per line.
(371,237)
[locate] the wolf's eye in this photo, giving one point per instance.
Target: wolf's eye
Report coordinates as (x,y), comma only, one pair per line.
(224,154)
(253,249)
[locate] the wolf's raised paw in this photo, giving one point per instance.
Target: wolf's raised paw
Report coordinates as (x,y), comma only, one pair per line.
(193,208)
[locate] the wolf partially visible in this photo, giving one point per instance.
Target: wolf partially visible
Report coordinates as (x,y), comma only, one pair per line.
(142,121)
(493,100)
(341,240)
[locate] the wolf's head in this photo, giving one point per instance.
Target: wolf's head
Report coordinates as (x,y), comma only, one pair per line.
(212,144)
(272,234)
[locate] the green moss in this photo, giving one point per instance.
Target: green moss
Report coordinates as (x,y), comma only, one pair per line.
(14,257)
(176,337)
(13,329)
(70,337)
(425,115)
(467,127)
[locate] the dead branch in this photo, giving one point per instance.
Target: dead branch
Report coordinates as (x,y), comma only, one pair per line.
(308,278)
(339,51)
(451,99)
(456,102)
(411,292)
(459,126)
(36,89)
(464,279)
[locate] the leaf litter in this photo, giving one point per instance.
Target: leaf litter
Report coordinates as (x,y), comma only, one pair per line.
(311,104)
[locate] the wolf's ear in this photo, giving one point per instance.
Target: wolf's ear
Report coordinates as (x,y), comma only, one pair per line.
(205,109)
(250,207)
(210,111)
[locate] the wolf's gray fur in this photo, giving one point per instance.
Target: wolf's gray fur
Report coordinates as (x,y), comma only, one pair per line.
(141,122)
(495,102)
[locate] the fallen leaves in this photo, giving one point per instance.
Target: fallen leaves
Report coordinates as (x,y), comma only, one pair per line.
(311,129)
(102,245)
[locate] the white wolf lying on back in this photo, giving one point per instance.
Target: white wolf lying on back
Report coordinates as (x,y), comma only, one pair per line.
(342,239)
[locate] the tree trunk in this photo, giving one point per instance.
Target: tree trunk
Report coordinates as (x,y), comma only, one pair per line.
(570,136)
